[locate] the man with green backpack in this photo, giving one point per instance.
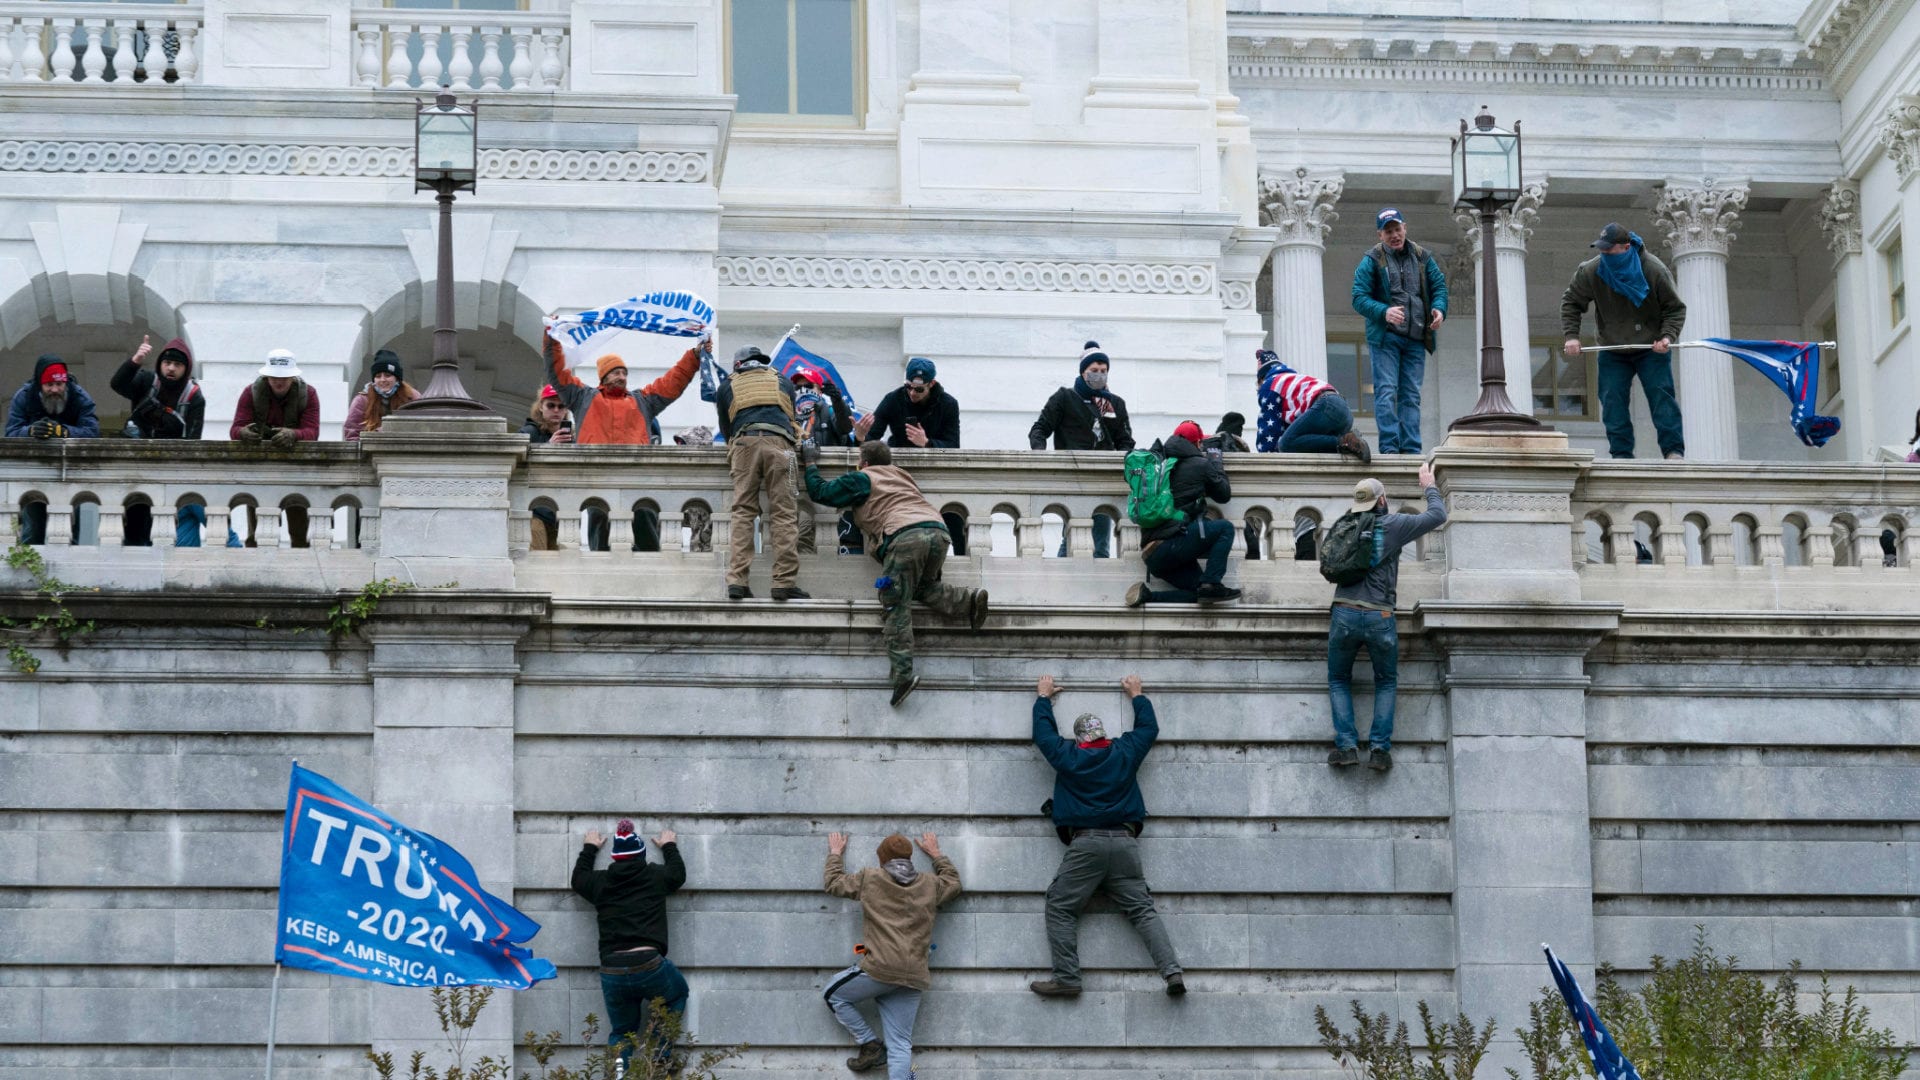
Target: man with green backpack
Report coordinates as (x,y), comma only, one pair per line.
(1361,556)
(1168,488)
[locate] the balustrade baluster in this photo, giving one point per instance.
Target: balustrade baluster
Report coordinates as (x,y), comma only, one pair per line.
(93,39)
(1028,540)
(123,59)
(430,56)
(521,69)
(620,532)
(671,523)
(460,68)
(7,70)
(368,63)
(153,62)
(266,527)
(399,64)
(219,523)
(161,534)
(111,532)
(552,71)
(490,65)
(722,532)
(519,532)
(59,526)
(186,62)
(63,60)
(320,529)
(1819,545)
(569,532)
(1080,538)
(33,58)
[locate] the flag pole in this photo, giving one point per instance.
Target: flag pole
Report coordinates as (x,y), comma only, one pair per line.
(273,998)
(1685,345)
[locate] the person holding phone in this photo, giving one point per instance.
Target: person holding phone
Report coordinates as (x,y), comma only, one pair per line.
(918,413)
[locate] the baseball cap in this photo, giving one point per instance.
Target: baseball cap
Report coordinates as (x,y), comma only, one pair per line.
(1367,493)
(1387,216)
(1614,233)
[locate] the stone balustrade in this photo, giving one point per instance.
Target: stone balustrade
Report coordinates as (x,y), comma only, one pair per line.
(405,47)
(145,45)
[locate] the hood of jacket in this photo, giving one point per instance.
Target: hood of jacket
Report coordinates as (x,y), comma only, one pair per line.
(176,345)
(1177,446)
(46,361)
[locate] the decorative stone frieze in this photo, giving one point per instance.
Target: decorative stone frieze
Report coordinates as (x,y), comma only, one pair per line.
(1300,206)
(1900,135)
(242,159)
(1700,219)
(1236,295)
(1840,218)
(966,275)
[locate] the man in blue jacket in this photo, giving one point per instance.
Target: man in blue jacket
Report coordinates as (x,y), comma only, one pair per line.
(1098,811)
(1402,293)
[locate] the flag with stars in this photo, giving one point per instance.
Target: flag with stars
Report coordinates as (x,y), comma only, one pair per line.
(1608,1062)
(364,896)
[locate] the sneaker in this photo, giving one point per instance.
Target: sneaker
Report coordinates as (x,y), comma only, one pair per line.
(873,1055)
(1351,443)
(977,618)
(1676,457)
(739,592)
(901,690)
(1054,988)
(1379,760)
(1342,757)
(1137,594)
(1214,593)
(1176,986)
(791,592)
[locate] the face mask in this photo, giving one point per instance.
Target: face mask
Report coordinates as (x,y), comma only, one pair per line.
(1096,380)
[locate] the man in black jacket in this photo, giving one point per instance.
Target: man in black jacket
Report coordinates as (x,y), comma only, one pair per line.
(1173,550)
(921,413)
(167,403)
(1085,416)
(631,898)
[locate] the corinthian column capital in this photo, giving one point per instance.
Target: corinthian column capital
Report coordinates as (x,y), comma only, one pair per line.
(1840,218)
(1300,206)
(1700,218)
(1512,225)
(1900,135)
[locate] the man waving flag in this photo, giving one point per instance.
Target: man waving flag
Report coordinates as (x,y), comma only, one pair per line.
(1608,1062)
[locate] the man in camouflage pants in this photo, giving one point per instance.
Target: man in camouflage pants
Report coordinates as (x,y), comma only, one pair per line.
(907,535)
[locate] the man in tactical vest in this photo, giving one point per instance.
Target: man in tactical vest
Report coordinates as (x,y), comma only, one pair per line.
(757,413)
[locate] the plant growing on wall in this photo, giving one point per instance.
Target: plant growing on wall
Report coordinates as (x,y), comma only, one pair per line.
(1379,1049)
(55,617)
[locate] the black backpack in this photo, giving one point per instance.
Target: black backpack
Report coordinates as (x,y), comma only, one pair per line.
(1347,553)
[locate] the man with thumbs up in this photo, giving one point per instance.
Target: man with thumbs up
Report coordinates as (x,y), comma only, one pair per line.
(167,403)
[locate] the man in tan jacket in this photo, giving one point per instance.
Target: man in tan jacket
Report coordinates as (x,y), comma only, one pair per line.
(897,906)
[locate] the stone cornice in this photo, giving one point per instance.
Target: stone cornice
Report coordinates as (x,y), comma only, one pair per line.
(256,159)
(966,275)
(1840,218)
(1833,28)
(1699,219)
(1300,206)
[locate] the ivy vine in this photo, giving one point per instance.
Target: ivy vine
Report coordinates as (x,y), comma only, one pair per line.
(56,616)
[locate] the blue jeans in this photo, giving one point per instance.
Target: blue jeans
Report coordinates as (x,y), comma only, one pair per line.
(630,1004)
(1353,627)
(1616,399)
(897,1006)
(1177,561)
(1318,430)
(1102,532)
(1399,363)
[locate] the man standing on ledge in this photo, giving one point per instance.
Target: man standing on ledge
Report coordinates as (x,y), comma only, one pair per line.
(757,413)
(1098,811)
(1401,292)
(1363,615)
(1634,299)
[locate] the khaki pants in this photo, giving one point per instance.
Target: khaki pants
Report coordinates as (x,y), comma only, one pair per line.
(762,465)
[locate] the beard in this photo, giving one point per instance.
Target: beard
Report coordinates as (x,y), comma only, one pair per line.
(54,404)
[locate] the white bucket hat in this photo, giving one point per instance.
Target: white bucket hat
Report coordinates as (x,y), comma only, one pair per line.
(280,365)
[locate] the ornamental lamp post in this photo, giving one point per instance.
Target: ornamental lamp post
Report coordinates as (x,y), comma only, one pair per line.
(1486,178)
(446,159)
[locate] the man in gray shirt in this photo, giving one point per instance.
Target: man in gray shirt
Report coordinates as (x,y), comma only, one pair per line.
(1363,615)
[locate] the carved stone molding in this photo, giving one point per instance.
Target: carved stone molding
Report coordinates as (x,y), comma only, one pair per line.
(1512,226)
(252,159)
(966,275)
(1840,218)
(1700,219)
(1900,135)
(1836,33)
(1236,295)
(1301,206)
(1511,501)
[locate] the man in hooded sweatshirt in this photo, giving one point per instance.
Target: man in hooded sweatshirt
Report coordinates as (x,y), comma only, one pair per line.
(897,907)
(279,408)
(1174,550)
(1086,416)
(50,405)
(167,403)
(608,413)
(1634,302)
(757,413)
(1098,811)
(387,391)
(630,900)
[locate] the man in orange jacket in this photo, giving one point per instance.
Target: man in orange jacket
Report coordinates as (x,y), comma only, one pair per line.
(608,413)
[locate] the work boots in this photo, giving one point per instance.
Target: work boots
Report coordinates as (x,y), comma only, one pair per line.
(873,1055)
(1353,445)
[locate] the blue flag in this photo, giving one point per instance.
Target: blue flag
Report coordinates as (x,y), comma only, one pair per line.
(1608,1062)
(789,357)
(1794,366)
(364,896)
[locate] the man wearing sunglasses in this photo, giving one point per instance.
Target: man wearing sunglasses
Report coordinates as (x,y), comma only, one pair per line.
(921,413)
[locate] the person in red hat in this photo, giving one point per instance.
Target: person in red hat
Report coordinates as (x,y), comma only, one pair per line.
(1174,550)
(51,405)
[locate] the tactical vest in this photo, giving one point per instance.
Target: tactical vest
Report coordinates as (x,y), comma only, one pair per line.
(296,402)
(759,386)
(893,503)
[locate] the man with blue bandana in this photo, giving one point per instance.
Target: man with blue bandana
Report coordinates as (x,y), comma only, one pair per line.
(1634,301)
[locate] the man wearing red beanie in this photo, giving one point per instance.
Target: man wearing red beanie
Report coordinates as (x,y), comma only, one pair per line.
(1174,550)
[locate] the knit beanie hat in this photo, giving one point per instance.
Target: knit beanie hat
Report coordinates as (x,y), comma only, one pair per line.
(1088,728)
(1189,431)
(1232,424)
(607,363)
(920,368)
(627,844)
(894,847)
(387,362)
(1091,354)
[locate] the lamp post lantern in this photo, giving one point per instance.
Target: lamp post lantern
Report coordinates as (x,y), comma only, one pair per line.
(446,159)
(1486,178)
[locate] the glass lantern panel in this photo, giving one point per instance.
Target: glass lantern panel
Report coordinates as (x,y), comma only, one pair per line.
(1490,161)
(447,141)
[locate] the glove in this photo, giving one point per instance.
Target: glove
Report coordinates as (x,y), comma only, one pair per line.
(41,429)
(284,438)
(250,433)
(809,452)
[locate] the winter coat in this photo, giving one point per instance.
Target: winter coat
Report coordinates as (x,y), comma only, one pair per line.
(27,410)
(600,417)
(896,920)
(274,411)
(938,416)
(1069,420)
(369,409)
(630,897)
(160,413)
(1372,293)
(1095,788)
(1617,321)
(1195,480)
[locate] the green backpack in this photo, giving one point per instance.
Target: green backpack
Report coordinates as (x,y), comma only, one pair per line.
(1150,489)
(1347,554)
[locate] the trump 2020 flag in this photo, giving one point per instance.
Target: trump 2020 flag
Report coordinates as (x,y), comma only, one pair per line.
(675,314)
(1794,366)
(364,896)
(1608,1062)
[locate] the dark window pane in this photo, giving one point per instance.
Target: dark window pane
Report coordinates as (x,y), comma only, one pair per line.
(1343,368)
(1543,376)
(760,55)
(824,45)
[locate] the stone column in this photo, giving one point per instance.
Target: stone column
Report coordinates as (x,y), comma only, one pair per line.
(1301,208)
(1852,318)
(1899,381)
(1239,276)
(1699,222)
(1511,228)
